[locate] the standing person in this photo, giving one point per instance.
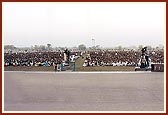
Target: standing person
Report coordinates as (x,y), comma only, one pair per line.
(55,66)
(143,62)
(59,66)
(147,60)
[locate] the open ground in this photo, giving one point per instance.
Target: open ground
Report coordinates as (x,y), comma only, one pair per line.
(84,91)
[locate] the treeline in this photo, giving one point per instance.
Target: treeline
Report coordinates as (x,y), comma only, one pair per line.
(81,47)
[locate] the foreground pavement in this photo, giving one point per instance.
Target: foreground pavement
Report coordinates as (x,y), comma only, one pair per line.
(50,91)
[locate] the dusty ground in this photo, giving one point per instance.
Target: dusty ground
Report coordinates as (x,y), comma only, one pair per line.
(59,91)
(31,68)
(79,68)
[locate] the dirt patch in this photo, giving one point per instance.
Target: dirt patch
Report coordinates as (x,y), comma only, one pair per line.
(30,68)
(43,68)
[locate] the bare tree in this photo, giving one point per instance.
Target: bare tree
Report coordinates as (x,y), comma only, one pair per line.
(82,47)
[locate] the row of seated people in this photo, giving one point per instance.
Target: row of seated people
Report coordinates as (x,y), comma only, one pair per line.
(34,58)
(120,58)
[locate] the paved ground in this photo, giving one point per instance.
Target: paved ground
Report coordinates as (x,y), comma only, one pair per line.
(49,91)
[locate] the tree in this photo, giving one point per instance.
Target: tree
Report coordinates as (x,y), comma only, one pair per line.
(97,46)
(119,48)
(11,47)
(36,47)
(149,48)
(42,47)
(82,47)
(48,45)
(140,47)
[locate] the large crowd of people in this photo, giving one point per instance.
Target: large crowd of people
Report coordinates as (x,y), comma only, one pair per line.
(32,58)
(93,58)
(120,58)
(35,58)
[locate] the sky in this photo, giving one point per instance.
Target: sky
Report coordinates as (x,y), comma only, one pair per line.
(110,24)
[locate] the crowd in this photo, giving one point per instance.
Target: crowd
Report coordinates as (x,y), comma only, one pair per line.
(93,58)
(35,58)
(120,58)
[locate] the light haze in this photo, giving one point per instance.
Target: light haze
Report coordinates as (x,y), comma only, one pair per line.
(71,24)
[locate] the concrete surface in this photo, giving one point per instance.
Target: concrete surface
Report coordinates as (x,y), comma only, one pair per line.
(50,91)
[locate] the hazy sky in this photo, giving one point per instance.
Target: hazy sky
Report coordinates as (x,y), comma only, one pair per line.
(70,24)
